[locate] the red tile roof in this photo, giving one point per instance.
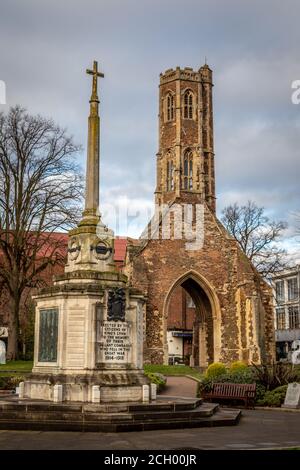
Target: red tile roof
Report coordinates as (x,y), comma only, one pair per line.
(120,249)
(62,238)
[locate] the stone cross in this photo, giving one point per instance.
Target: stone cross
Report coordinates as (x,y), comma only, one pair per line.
(91,212)
(95,74)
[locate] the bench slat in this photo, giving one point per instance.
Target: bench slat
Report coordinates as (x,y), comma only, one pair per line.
(233,391)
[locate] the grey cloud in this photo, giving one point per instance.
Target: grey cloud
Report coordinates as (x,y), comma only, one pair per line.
(252,47)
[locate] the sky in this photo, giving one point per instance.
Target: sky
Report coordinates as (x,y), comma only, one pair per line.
(251,46)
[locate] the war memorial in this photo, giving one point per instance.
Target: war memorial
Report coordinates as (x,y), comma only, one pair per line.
(88,360)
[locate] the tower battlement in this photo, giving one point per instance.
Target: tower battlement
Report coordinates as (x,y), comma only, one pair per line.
(187,73)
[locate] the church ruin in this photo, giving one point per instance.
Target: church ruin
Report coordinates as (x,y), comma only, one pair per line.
(233,305)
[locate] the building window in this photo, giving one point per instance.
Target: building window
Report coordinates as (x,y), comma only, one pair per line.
(294,319)
(170,107)
(188,105)
(280,319)
(188,170)
(279,288)
(170,175)
(292,288)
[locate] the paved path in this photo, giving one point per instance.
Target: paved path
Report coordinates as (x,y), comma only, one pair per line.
(180,387)
(258,429)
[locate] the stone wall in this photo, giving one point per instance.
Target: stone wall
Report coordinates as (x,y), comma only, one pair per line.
(240,324)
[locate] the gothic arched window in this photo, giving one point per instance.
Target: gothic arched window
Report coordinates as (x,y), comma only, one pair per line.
(170,175)
(188,105)
(170,107)
(188,170)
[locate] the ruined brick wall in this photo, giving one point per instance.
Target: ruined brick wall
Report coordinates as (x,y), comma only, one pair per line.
(240,326)
(176,310)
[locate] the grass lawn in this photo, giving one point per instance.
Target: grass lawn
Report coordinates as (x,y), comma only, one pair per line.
(173,370)
(18,367)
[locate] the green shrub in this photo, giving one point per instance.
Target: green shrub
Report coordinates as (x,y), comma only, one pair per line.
(204,385)
(240,376)
(273,398)
(3,381)
(215,370)
(271,380)
(158,379)
(296,371)
(238,366)
(260,392)
(275,375)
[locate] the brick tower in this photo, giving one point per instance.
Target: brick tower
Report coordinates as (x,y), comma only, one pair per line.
(233,306)
(185,159)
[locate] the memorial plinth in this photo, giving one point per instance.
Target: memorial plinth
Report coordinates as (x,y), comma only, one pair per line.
(81,342)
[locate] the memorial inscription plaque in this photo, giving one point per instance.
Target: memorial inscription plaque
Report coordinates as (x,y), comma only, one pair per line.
(292,398)
(115,344)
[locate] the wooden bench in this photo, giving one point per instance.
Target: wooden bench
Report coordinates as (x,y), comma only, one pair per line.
(232,391)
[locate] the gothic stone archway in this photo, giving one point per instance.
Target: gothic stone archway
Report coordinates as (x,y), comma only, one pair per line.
(204,325)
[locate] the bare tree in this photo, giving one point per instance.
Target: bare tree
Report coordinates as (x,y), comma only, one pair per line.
(40,195)
(257,235)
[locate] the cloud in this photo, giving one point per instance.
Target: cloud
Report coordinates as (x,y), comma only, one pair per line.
(251,46)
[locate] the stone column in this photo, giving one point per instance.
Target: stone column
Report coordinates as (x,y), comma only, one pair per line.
(92,167)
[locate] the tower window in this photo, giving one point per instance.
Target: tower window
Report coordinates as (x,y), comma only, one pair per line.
(188,105)
(170,107)
(188,170)
(170,175)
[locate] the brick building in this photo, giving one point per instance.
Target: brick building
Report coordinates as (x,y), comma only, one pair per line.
(233,314)
(287,312)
